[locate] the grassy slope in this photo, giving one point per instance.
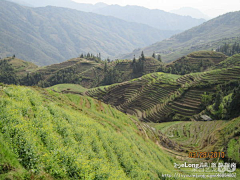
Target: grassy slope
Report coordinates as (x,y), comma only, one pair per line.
(74,88)
(49,135)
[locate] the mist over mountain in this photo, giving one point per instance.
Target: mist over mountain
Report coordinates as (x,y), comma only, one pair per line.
(189,11)
(60,3)
(50,35)
(155,18)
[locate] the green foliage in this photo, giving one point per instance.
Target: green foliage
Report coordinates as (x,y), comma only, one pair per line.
(68,88)
(159,58)
(195,62)
(51,135)
(226,101)
(112,76)
(218,100)
(207,136)
(7,73)
(229,49)
(206,99)
(229,62)
(233,149)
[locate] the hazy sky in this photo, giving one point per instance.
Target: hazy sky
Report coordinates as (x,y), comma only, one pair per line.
(210,7)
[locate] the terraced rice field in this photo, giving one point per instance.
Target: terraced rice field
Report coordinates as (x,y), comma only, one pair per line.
(160,97)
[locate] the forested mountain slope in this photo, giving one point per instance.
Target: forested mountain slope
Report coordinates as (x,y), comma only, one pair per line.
(153,17)
(51,35)
(206,36)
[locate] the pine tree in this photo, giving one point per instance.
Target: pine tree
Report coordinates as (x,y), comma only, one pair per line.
(105,66)
(159,58)
(134,59)
(142,56)
(153,55)
(218,100)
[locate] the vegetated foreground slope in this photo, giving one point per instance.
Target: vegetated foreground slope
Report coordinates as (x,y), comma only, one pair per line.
(206,36)
(51,35)
(49,135)
(159,97)
(46,135)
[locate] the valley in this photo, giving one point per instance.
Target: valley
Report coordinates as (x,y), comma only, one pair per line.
(72,106)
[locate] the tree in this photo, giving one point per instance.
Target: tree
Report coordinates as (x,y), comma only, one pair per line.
(159,58)
(105,66)
(154,56)
(233,109)
(142,56)
(134,59)
(218,100)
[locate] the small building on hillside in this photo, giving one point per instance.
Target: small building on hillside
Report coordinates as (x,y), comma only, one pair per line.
(205,118)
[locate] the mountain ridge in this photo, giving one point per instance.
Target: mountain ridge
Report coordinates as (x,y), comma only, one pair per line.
(224,26)
(167,21)
(51,35)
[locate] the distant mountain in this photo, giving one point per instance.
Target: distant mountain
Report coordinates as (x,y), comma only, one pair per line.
(155,18)
(198,38)
(51,35)
(23,2)
(189,11)
(61,3)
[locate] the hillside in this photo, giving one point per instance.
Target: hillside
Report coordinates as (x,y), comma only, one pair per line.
(196,62)
(51,35)
(160,97)
(229,62)
(152,17)
(189,11)
(13,69)
(221,136)
(207,36)
(68,88)
(90,72)
(46,135)
(171,23)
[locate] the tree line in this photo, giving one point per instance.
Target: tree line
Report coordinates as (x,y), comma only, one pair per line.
(229,49)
